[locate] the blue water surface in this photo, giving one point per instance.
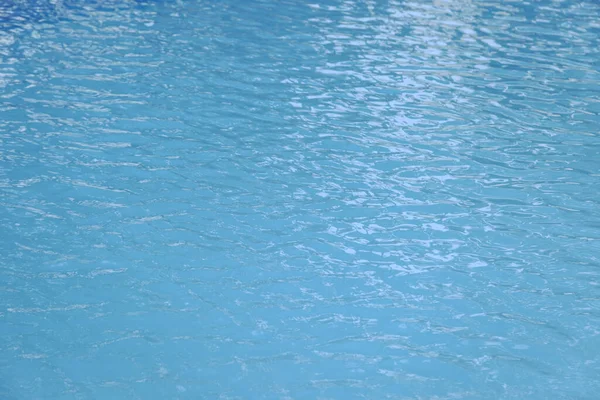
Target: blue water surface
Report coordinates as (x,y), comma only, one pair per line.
(285,199)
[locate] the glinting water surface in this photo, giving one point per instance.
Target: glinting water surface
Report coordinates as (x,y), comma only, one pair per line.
(280,199)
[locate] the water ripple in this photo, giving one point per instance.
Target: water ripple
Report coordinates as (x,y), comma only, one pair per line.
(344,199)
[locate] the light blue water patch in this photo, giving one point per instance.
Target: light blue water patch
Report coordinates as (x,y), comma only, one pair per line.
(299,200)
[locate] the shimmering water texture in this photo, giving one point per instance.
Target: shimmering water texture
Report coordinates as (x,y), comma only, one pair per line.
(360,199)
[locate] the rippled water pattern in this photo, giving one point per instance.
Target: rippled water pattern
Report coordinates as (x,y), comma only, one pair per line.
(360,199)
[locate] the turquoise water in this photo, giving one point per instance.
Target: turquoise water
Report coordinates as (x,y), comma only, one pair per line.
(299,200)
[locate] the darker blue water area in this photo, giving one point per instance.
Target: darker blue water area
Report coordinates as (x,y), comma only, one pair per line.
(299,200)
(20,12)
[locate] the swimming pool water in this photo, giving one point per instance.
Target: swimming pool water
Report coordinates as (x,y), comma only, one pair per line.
(360,199)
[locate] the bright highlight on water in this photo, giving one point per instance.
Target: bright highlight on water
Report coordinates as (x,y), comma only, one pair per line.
(360,199)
